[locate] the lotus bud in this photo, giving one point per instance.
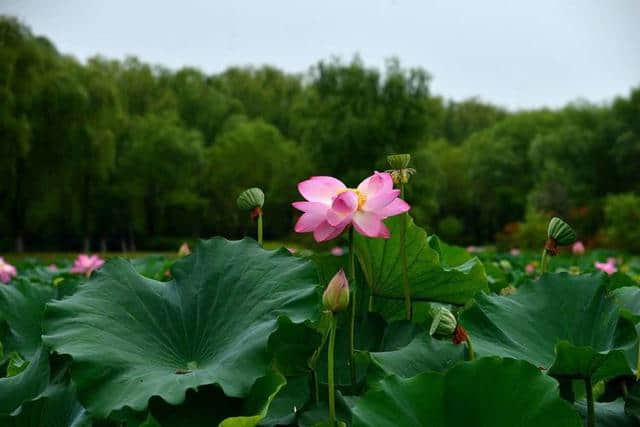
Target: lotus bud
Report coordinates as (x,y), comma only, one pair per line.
(336,296)
(399,171)
(559,233)
(505,265)
(251,200)
(184,250)
(444,322)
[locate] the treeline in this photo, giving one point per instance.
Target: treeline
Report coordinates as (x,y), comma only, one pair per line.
(123,154)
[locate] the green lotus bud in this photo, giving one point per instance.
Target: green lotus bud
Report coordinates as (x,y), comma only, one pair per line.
(251,199)
(505,265)
(561,232)
(336,296)
(399,161)
(444,322)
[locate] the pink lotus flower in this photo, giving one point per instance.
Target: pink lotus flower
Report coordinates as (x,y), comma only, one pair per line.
(577,248)
(7,271)
(184,250)
(85,264)
(52,267)
(514,251)
(472,249)
(608,267)
(337,251)
(331,207)
(530,268)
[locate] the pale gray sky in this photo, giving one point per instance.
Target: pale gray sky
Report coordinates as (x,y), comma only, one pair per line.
(513,53)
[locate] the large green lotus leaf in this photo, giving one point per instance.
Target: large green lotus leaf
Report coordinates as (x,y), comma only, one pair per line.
(629,299)
(608,414)
(562,323)
(16,390)
(22,307)
(486,392)
(132,338)
(430,276)
(153,266)
(208,406)
(56,406)
(293,396)
(423,353)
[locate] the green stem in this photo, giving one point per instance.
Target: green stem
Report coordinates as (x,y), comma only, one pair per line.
(403,256)
(543,261)
(591,415)
(566,389)
(332,397)
(352,326)
(638,365)
(472,354)
(314,360)
(260,229)
(316,388)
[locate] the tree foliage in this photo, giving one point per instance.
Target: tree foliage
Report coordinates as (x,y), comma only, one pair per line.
(119,152)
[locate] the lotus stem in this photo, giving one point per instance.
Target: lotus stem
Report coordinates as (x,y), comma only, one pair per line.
(591,414)
(638,365)
(472,354)
(260,228)
(352,282)
(403,256)
(314,360)
(332,397)
(543,261)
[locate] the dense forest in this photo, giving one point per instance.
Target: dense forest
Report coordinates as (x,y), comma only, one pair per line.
(122,154)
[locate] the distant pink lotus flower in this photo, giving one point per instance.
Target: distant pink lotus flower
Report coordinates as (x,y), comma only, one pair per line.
(530,268)
(7,271)
(52,267)
(331,207)
(184,250)
(577,248)
(337,251)
(608,267)
(514,251)
(85,264)
(472,249)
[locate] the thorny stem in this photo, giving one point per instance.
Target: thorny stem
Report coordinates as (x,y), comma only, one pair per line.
(403,255)
(352,283)
(332,397)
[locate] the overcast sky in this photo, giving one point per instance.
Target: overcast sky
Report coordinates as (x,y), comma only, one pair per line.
(514,53)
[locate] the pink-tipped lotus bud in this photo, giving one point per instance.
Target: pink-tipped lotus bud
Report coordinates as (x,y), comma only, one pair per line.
(184,250)
(336,296)
(578,248)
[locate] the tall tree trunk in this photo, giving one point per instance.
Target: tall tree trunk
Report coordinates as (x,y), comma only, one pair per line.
(19,244)
(86,206)
(132,242)
(19,202)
